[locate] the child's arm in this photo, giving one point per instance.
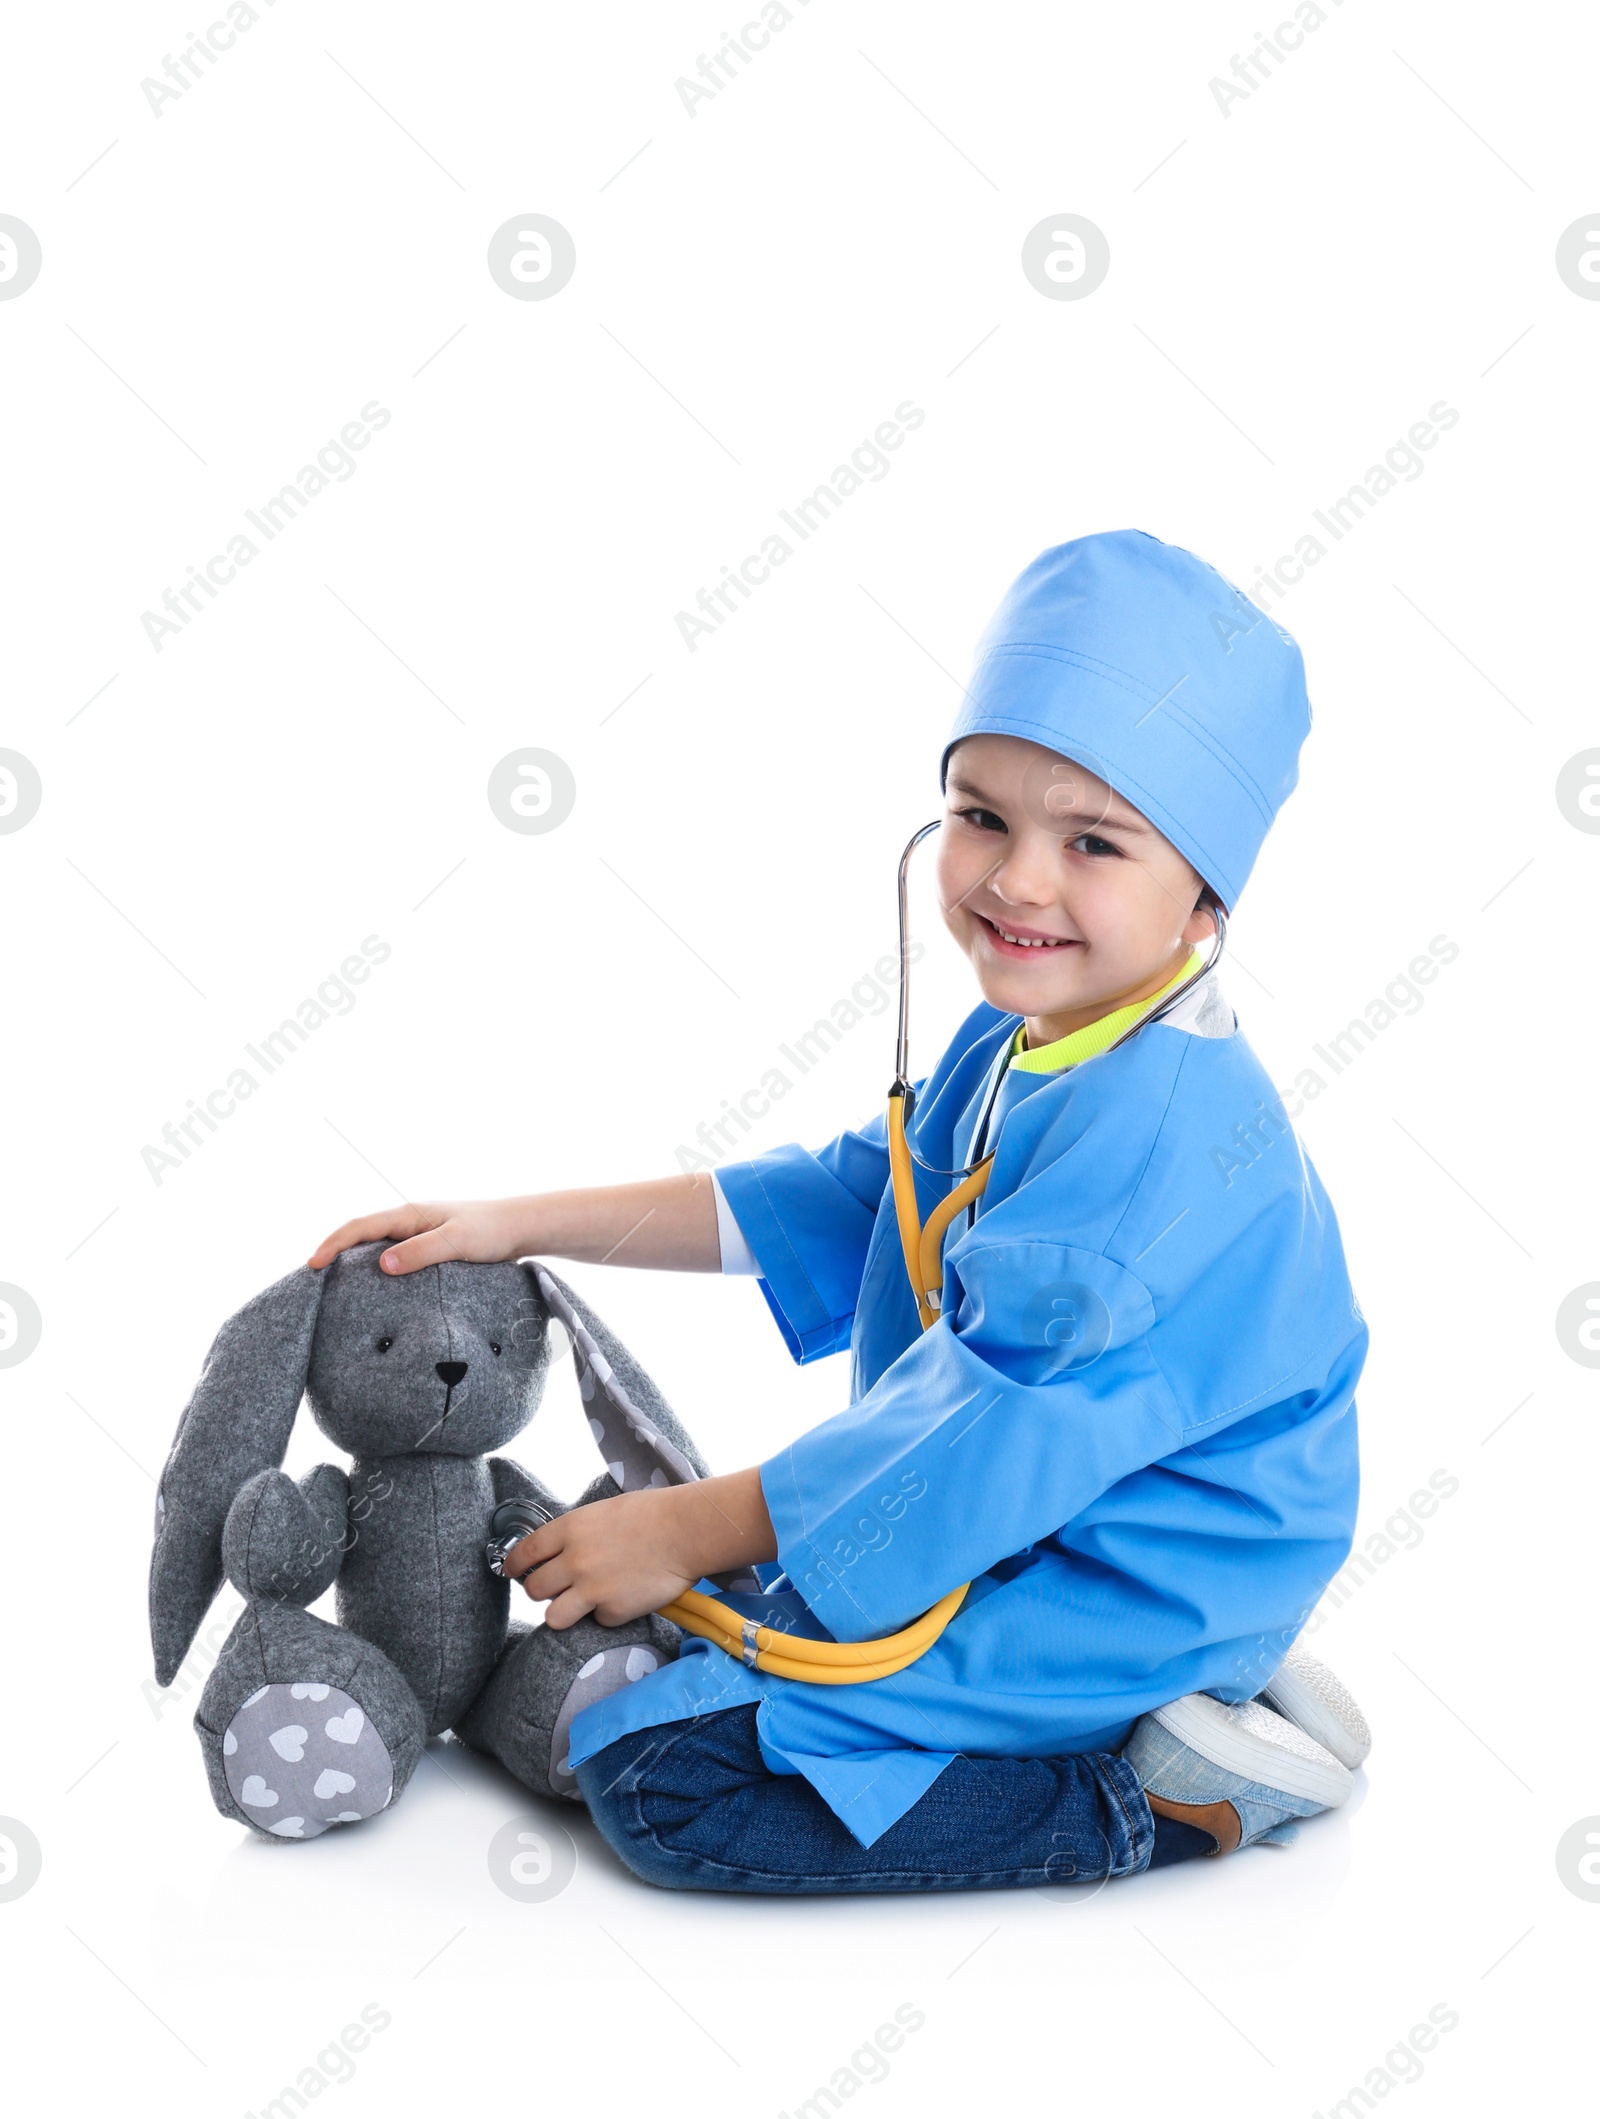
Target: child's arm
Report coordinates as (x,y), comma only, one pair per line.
(665,1221)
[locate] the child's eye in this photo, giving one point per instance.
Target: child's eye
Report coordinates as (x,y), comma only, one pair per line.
(982,819)
(384,1345)
(494,1346)
(1090,843)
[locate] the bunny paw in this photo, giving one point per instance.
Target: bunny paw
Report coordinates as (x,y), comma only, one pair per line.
(304,1725)
(544,1681)
(296,1764)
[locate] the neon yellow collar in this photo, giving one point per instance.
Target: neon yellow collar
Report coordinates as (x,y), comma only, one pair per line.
(1084,1044)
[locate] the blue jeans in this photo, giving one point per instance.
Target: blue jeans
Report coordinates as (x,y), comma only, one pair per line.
(692,1805)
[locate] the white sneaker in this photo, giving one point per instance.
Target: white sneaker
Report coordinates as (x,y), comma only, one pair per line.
(1241,1773)
(1308,1694)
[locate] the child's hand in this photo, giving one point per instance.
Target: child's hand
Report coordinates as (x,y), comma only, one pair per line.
(632,1554)
(481,1231)
(617,1559)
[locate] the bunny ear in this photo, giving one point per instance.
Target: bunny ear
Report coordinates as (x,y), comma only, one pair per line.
(236,1424)
(638,1435)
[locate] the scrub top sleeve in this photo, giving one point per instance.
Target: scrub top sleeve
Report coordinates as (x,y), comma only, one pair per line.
(807,1219)
(989,1433)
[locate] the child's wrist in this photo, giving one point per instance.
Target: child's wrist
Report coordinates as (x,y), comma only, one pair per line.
(527,1225)
(720,1524)
(551,1224)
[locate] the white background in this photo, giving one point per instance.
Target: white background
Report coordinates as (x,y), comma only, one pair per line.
(1292,285)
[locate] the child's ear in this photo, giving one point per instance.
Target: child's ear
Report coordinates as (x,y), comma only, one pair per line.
(1201,925)
(236,1424)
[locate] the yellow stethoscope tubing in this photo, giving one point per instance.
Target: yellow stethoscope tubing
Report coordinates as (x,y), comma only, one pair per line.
(786,1655)
(923,1243)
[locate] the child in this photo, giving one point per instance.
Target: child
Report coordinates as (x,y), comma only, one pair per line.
(1130,1426)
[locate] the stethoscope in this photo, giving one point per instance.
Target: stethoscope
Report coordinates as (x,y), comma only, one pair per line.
(923,1243)
(766,1648)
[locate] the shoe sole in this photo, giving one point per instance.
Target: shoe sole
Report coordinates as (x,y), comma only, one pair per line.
(1301,1704)
(1206,1726)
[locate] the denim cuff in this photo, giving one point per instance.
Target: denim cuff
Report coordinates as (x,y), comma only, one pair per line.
(1132,1828)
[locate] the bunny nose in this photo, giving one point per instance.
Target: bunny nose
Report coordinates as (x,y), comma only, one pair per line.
(450,1372)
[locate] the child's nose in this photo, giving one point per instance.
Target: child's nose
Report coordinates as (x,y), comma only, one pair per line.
(450,1372)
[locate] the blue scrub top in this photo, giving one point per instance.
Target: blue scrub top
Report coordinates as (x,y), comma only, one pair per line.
(1132,1428)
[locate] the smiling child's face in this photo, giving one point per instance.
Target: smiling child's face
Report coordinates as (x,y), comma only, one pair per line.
(1067,902)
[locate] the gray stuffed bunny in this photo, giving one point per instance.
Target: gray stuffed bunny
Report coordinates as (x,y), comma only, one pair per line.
(305,1724)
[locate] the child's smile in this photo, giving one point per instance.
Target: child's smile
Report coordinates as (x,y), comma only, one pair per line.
(1012,939)
(1066,900)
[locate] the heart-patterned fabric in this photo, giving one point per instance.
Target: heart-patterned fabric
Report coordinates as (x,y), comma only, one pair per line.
(601,1675)
(300,1758)
(636,1453)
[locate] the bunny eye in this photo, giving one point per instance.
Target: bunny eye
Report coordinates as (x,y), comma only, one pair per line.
(384,1345)
(494,1346)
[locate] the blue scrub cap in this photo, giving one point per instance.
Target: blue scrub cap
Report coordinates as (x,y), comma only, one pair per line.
(1139,661)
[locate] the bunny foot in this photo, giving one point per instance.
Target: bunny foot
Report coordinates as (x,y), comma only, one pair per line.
(544,1679)
(304,1725)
